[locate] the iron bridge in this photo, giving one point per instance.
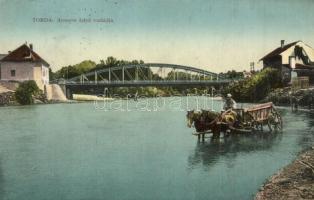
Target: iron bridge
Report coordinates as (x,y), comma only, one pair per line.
(149,74)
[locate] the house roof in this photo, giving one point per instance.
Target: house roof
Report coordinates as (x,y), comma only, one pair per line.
(22,54)
(279,50)
(2,56)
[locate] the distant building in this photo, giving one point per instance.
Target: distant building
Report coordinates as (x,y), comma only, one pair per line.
(295,59)
(247,74)
(24,64)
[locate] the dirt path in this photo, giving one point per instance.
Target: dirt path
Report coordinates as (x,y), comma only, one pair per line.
(295,181)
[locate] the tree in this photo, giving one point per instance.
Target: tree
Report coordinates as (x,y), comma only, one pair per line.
(111,62)
(70,71)
(75,70)
(52,75)
(257,87)
(24,93)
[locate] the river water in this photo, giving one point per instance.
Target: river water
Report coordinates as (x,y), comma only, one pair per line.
(136,150)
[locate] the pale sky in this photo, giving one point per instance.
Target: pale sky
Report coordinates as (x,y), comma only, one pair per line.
(217,35)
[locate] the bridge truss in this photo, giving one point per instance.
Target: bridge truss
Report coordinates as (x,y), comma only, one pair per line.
(147,74)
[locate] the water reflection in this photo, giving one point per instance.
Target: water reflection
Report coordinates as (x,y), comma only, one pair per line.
(212,150)
(306,138)
(2,190)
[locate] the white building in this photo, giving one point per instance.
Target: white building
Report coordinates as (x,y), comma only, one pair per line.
(24,64)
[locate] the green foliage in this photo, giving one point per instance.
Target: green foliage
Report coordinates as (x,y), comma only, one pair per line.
(232,74)
(75,70)
(88,66)
(51,74)
(113,62)
(85,66)
(24,93)
(255,88)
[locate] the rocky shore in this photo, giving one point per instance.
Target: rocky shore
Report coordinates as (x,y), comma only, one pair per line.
(7,98)
(295,181)
(53,94)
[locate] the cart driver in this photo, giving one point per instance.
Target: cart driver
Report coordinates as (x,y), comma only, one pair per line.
(229,103)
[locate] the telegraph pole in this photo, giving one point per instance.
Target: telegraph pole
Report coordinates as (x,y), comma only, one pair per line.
(252,66)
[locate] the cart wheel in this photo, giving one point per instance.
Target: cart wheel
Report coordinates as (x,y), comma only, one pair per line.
(250,122)
(275,121)
(278,121)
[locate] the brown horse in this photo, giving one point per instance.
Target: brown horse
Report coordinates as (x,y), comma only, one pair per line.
(204,121)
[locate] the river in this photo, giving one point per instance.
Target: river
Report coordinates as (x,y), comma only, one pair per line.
(136,150)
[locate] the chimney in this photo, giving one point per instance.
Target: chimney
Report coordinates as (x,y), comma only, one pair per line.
(282,42)
(31,46)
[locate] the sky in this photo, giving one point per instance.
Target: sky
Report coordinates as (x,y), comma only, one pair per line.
(216,35)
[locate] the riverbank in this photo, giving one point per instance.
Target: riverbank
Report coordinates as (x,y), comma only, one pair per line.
(295,181)
(7,98)
(8,94)
(303,98)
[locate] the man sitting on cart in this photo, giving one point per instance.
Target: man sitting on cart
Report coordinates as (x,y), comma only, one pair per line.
(229,117)
(229,103)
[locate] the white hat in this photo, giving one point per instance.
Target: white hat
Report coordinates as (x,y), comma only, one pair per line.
(229,95)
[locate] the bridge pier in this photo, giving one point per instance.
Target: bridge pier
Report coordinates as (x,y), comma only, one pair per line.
(109,74)
(123,74)
(68,93)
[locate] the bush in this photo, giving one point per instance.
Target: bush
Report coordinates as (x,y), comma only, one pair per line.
(24,93)
(257,87)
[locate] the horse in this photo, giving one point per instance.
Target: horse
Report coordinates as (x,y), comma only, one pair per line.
(204,121)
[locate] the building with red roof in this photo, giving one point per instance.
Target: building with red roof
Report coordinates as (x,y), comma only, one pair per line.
(24,64)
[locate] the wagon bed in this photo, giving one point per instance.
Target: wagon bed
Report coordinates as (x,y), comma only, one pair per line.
(262,114)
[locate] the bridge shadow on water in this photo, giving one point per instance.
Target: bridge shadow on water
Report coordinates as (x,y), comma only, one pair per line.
(213,150)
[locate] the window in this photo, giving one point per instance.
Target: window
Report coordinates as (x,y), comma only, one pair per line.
(13,72)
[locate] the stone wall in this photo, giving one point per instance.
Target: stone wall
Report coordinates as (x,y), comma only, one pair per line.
(7,98)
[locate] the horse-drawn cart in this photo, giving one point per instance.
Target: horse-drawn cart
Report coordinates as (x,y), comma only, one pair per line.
(265,114)
(235,120)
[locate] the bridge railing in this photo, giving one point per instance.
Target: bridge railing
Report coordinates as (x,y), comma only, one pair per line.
(126,82)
